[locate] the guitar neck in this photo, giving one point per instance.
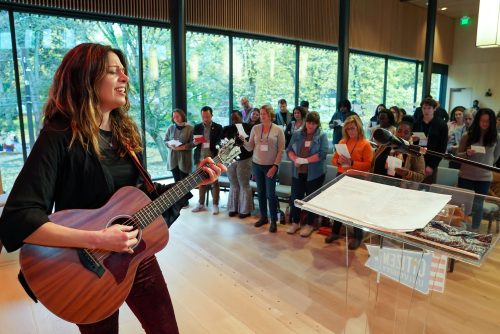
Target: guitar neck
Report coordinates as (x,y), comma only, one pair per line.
(154,209)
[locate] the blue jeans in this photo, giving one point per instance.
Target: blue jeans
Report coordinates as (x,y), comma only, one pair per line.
(301,188)
(480,187)
(267,191)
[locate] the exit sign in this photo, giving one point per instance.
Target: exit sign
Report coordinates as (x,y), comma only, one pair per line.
(464,21)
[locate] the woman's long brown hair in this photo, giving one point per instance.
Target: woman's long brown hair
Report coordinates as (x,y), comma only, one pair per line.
(74,94)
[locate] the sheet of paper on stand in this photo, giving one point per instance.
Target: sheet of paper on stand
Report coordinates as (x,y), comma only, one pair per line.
(378,206)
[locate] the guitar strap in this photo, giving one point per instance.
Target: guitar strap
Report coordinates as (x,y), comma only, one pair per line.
(145,176)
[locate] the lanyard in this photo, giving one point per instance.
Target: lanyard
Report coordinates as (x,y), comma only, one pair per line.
(262,132)
(350,153)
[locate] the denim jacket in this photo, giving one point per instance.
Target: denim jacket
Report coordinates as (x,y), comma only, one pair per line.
(319,145)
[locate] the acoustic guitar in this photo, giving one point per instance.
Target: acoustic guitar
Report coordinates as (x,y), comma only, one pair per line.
(87,285)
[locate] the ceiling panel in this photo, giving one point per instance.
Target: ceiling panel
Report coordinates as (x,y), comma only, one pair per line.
(455,8)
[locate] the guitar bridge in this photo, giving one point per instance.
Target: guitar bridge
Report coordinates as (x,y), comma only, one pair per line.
(90,262)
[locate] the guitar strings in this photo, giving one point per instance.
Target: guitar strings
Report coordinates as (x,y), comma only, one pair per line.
(100,254)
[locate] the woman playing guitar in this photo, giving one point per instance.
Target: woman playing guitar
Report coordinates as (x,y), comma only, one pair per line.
(86,151)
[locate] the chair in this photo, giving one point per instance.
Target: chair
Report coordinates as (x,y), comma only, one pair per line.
(284,156)
(284,187)
(444,163)
(224,181)
(490,212)
(460,197)
(329,158)
(331,173)
(447,176)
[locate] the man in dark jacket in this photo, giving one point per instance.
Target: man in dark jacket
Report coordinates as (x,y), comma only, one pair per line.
(438,113)
(436,133)
(206,135)
(338,119)
(283,117)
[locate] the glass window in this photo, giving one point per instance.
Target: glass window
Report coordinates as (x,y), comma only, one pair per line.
(11,152)
(436,85)
(318,81)
(157,75)
(263,71)
(366,84)
(207,58)
(42,42)
(400,84)
(419,86)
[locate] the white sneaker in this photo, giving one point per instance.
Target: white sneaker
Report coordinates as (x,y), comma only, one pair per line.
(215,209)
(306,231)
(294,228)
(199,208)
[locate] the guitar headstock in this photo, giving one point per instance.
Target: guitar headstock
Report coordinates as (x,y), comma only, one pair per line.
(228,152)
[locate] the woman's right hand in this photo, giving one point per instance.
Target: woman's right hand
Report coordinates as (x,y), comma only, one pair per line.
(118,238)
(243,138)
(470,152)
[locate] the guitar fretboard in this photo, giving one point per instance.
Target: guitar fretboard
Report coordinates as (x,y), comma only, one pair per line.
(154,209)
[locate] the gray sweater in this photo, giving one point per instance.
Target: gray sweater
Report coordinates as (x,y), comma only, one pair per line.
(473,173)
(180,158)
(275,141)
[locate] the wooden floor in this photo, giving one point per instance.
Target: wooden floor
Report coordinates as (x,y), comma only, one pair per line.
(226,276)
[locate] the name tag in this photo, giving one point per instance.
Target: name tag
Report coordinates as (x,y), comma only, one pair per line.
(264,148)
(422,142)
(206,145)
(307,143)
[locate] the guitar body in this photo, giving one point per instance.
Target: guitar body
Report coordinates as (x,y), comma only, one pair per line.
(69,289)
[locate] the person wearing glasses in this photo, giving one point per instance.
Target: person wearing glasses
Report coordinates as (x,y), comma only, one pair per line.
(360,158)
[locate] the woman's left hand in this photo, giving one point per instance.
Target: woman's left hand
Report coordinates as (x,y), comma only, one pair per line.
(344,161)
(272,171)
(403,172)
(211,169)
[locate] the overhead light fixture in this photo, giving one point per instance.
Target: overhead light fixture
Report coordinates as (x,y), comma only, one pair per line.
(444,8)
(488,24)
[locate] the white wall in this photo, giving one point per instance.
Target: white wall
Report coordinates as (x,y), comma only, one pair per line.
(474,68)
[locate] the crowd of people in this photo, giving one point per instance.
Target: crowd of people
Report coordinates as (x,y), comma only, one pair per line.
(298,133)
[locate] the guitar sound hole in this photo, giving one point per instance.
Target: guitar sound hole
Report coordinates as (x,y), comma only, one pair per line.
(128,220)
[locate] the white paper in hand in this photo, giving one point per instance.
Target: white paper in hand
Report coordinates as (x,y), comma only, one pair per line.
(392,164)
(241,130)
(342,150)
(478,149)
(174,143)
